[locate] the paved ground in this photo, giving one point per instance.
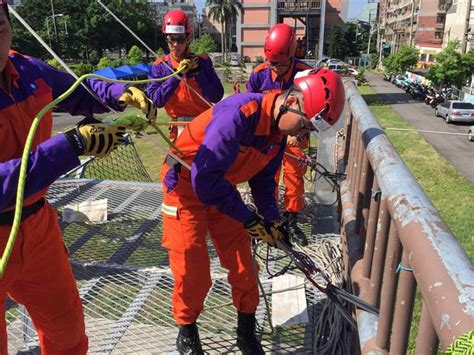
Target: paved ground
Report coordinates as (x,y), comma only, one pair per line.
(457,149)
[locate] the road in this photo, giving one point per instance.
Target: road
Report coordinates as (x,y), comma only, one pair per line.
(456,149)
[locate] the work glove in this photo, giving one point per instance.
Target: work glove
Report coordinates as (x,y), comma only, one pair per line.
(137,98)
(194,63)
(261,229)
(97,139)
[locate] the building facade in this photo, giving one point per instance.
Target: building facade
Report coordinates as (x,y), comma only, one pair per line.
(258,16)
(460,24)
(417,23)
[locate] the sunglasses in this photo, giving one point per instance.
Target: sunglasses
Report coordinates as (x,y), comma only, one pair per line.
(179,40)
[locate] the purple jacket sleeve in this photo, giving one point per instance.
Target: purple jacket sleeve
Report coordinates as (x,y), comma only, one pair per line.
(81,102)
(252,84)
(263,187)
(215,156)
(209,81)
(160,92)
(47,162)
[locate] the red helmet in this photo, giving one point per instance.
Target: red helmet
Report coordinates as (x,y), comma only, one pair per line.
(176,22)
(280,44)
(323,93)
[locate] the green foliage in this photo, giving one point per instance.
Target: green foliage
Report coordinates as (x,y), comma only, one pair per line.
(104,62)
(402,60)
(224,12)
(360,77)
(134,55)
(160,52)
(337,43)
(54,63)
(349,46)
(82,68)
(452,67)
(257,60)
(203,45)
(90,30)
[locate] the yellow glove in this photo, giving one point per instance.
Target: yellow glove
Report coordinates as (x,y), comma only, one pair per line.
(137,98)
(96,139)
(259,228)
(186,64)
(194,62)
(293,141)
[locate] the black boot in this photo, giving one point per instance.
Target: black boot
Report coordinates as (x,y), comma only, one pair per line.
(246,339)
(188,341)
(296,234)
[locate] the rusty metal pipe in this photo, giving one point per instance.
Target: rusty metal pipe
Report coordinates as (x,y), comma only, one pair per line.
(387,297)
(426,339)
(441,267)
(380,248)
(403,307)
(371,229)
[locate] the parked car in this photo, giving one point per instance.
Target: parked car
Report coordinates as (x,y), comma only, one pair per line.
(470,134)
(235,60)
(456,111)
(401,81)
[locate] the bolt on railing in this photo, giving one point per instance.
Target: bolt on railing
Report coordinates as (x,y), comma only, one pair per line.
(396,242)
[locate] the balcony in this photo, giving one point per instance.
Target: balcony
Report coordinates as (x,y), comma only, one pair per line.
(296,5)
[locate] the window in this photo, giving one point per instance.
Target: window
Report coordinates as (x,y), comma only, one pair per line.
(440,18)
(438,35)
(463,105)
(422,57)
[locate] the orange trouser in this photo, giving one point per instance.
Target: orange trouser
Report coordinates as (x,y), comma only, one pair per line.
(186,222)
(39,276)
(293,178)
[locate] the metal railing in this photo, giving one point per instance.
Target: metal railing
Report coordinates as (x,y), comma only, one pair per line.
(396,242)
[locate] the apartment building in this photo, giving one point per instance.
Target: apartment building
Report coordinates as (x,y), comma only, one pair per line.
(460,24)
(415,22)
(259,16)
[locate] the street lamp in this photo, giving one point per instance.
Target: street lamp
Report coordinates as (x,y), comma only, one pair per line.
(55,29)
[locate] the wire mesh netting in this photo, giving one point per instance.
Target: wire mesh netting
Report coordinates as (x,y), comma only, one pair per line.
(122,164)
(125,282)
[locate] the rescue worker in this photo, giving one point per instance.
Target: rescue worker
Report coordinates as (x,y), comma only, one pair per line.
(278,73)
(38,274)
(179,96)
(241,139)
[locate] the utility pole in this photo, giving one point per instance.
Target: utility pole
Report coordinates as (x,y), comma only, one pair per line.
(322,23)
(54,22)
(466,26)
(370,35)
(411,21)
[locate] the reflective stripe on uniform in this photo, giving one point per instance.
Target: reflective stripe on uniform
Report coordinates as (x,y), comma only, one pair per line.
(169,210)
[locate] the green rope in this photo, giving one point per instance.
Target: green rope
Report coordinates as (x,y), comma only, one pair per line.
(29,142)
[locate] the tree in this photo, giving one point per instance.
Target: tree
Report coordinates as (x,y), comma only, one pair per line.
(405,58)
(224,12)
(452,67)
(85,30)
(337,43)
(203,45)
(351,40)
(134,55)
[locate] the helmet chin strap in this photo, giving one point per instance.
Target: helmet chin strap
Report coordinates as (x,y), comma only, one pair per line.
(283,108)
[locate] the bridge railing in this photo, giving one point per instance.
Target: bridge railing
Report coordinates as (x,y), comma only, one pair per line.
(395,242)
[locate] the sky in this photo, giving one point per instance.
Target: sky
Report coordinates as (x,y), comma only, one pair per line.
(354,9)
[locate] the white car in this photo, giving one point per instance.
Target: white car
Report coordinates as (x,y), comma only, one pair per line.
(470,134)
(456,111)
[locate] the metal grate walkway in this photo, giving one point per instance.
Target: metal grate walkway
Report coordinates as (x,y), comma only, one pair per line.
(126,285)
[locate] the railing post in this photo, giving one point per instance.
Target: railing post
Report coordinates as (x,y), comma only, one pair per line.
(404,307)
(371,229)
(426,339)
(380,249)
(387,297)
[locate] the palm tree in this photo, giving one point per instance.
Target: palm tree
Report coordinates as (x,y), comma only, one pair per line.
(224,12)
